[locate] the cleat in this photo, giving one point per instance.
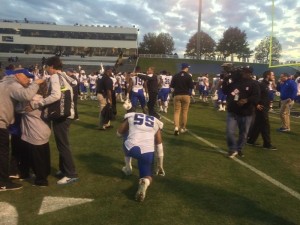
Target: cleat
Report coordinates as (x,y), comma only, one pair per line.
(160,172)
(141,193)
(127,171)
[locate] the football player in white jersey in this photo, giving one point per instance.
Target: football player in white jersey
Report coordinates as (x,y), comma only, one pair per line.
(92,80)
(205,90)
(118,87)
(142,137)
(297,80)
(163,94)
(136,92)
(83,84)
(214,91)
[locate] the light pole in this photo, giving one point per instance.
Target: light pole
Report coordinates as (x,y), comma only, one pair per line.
(199,30)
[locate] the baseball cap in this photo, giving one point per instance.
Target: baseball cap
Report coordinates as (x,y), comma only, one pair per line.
(69,70)
(185,65)
(227,65)
(108,68)
(247,68)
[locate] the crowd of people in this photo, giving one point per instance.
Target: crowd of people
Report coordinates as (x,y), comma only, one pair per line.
(146,96)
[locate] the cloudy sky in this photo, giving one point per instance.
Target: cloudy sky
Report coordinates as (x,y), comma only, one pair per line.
(179,18)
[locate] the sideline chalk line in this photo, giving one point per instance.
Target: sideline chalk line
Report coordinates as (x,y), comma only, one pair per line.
(248,166)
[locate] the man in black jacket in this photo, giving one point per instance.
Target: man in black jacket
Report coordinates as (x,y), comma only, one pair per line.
(243,95)
(261,122)
(104,94)
(182,83)
(152,89)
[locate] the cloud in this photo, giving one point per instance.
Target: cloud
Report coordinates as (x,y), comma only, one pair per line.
(179,18)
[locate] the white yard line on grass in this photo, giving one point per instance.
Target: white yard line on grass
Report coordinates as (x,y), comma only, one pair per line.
(253,169)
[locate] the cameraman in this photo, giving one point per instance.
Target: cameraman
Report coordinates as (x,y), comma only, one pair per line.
(243,95)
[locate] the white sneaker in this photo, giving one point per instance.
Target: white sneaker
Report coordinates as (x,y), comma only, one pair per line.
(183,130)
(67,180)
(176,131)
(141,192)
(160,172)
(166,110)
(127,171)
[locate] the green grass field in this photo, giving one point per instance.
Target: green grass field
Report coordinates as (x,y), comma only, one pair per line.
(201,185)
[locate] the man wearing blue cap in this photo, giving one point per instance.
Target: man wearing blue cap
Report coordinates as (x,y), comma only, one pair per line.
(13,89)
(182,84)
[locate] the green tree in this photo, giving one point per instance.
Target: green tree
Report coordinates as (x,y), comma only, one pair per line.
(207,45)
(162,43)
(234,41)
(262,51)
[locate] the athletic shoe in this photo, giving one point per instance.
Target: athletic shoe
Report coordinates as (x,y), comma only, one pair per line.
(141,193)
(10,186)
(176,131)
(281,129)
(127,171)
(232,154)
(253,144)
(271,147)
(183,130)
(40,184)
(166,110)
(67,180)
(14,176)
(241,154)
(160,172)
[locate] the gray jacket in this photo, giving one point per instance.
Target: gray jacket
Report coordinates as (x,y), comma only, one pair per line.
(12,92)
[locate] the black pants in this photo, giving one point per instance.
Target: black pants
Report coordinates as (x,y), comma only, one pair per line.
(36,157)
(61,134)
(261,125)
(4,154)
(75,100)
(16,153)
(151,104)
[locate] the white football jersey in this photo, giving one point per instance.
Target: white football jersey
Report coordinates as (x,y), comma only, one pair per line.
(297,80)
(83,78)
(137,83)
(166,81)
(93,78)
(200,81)
(142,129)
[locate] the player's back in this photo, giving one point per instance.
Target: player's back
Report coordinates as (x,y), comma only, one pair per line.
(142,129)
(166,81)
(137,83)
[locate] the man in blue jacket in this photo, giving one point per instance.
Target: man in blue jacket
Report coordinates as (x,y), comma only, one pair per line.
(288,93)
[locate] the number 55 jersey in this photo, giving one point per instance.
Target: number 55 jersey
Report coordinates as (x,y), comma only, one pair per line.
(142,130)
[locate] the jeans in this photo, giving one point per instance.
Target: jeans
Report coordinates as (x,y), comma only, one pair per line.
(243,124)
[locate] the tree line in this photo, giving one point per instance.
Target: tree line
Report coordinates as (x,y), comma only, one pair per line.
(233,44)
